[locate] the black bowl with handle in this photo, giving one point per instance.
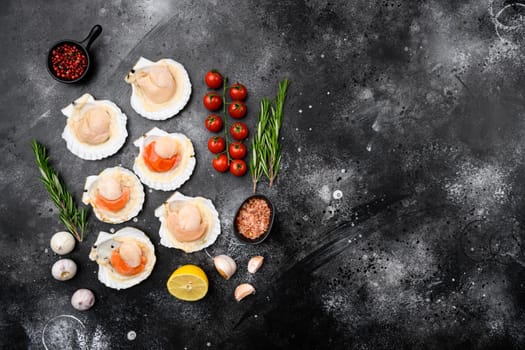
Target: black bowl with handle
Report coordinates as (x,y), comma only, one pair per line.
(83,46)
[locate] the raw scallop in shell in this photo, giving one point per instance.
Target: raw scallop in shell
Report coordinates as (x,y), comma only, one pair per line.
(160,89)
(165,161)
(95,129)
(116,195)
(188,223)
(124,258)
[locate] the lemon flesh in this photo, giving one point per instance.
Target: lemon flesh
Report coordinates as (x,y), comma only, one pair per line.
(188,283)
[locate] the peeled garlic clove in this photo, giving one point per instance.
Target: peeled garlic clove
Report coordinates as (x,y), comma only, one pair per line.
(64,269)
(225,265)
(255,263)
(62,243)
(243,290)
(83,299)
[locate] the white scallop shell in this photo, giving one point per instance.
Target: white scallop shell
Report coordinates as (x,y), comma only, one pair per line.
(111,278)
(136,198)
(174,106)
(213,231)
(95,152)
(172,179)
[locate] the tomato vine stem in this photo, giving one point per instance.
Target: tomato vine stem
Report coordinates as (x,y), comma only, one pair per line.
(224,111)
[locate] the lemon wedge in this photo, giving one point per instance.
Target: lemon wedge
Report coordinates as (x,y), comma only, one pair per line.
(188,283)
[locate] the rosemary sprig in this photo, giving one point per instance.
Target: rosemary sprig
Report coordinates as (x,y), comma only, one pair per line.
(258,163)
(274,157)
(73,218)
(266,149)
(272,132)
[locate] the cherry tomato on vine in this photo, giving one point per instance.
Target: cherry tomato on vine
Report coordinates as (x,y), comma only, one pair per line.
(237,109)
(239,131)
(213,79)
(220,163)
(237,150)
(213,123)
(212,101)
(238,92)
(216,144)
(238,167)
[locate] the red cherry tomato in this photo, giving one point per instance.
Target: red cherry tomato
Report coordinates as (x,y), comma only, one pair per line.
(237,150)
(238,92)
(220,163)
(238,167)
(216,144)
(239,131)
(237,109)
(213,123)
(212,101)
(213,79)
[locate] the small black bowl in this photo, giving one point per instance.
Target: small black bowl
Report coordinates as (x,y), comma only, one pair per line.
(262,237)
(83,46)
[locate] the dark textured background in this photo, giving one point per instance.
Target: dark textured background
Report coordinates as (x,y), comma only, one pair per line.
(413,109)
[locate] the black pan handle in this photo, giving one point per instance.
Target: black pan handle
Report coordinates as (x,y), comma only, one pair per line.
(93,34)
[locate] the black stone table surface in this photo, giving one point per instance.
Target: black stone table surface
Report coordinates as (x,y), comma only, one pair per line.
(413,110)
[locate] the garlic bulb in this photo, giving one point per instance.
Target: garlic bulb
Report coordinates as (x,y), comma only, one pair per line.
(62,243)
(255,263)
(243,290)
(225,265)
(83,299)
(64,269)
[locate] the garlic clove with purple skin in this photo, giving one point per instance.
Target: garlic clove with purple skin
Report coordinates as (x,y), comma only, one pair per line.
(83,299)
(255,263)
(243,290)
(64,269)
(225,265)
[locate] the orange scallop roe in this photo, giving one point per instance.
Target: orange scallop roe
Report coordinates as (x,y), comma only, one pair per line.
(113,205)
(156,162)
(124,269)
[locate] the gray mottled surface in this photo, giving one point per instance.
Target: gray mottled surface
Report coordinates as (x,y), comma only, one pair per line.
(413,109)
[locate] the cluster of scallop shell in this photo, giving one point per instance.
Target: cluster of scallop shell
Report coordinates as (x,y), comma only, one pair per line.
(96,129)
